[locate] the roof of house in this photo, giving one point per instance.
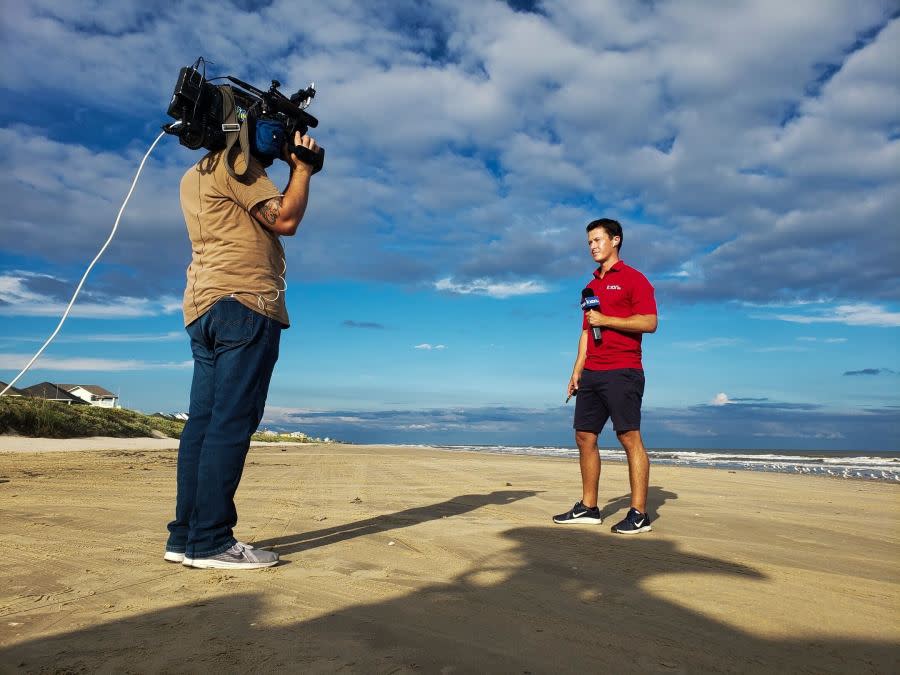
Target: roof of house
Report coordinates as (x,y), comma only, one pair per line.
(95,389)
(51,391)
(12,390)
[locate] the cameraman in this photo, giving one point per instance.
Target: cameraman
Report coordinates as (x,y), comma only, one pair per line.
(234,312)
(609,378)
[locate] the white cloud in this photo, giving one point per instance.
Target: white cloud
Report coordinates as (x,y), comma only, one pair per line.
(105,337)
(782,348)
(126,337)
(17,361)
(17,298)
(125,308)
(771,429)
(710,343)
(494,289)
(787,303)
(688,429)
(720,399)
(425,346)
(863,314)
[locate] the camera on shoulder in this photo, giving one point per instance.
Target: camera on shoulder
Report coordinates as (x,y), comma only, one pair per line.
(218,116)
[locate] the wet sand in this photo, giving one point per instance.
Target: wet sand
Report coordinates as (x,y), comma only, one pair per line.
(402,560)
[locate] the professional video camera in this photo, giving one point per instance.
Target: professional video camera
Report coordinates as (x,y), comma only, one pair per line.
(216,116)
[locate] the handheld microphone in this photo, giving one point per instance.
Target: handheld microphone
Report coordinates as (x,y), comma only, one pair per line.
(591,301)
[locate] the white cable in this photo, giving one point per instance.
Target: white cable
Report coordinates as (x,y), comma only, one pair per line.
(90,267)
(278,291)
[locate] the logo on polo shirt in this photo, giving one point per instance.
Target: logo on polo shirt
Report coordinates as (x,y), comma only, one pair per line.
(613,287)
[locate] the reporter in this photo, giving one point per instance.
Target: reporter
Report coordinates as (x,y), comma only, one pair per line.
(609,377)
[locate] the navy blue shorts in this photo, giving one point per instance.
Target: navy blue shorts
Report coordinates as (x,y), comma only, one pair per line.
(605,394)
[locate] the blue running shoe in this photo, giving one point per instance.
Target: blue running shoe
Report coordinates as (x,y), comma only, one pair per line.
(634,523)
(579,514)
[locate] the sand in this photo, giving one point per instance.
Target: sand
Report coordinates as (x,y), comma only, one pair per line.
(402,560)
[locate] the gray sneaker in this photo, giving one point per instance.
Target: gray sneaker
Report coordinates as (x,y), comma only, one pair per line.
(238,557)
(175,557)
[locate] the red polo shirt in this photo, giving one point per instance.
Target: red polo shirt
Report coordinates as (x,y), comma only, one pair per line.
(623,292)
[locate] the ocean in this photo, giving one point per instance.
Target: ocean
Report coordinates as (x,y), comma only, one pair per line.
(877,466)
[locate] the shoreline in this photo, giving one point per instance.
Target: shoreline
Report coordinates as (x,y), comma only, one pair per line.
(866,467)
(884,468)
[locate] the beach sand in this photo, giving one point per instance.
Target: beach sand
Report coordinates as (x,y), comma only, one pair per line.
(402,560)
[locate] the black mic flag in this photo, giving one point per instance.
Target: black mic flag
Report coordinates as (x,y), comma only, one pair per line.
(591,301)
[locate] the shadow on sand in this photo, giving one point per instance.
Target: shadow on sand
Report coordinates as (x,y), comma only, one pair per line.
(303,541)
(559,600)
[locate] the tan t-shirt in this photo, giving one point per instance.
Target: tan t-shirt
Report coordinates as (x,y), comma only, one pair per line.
(231,252)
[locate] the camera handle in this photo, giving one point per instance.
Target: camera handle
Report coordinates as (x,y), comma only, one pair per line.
(307,156)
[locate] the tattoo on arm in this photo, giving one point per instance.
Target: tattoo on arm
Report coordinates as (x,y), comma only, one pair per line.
(267,212)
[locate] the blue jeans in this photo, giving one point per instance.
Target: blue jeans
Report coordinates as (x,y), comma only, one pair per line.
(234,350)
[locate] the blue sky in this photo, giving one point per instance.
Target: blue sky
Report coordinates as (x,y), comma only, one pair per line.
(751,151)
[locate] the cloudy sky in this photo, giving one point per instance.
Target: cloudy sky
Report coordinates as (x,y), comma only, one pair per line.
(750,149)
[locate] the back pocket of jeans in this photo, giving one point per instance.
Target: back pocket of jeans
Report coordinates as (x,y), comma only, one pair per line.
(232,323)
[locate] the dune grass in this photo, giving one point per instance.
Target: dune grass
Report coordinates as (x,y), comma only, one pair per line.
(36,417)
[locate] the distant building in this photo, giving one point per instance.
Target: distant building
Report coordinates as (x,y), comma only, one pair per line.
(93,394)
(52,392)
(12,390)
(183,416)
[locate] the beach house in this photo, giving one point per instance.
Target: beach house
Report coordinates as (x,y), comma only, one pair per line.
(52,392)
(93,394)
(78,394)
